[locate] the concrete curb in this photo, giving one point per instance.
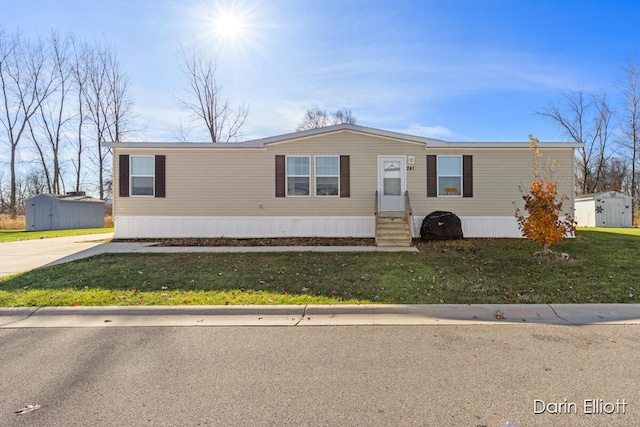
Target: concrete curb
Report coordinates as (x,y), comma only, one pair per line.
(320,315)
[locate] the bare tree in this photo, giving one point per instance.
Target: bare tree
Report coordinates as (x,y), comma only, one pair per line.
(108,106)
(601,151)
(316,118)
(79,74)
(47,87)
(119,106)
(181,132)
(205,98)
(29,183)
(47,126)
(585,119)
(34,184)
(21,66)
(630,89)
(4,202)
(616,176)
(94,96)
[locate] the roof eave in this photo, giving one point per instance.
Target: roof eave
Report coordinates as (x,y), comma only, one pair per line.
(263,142)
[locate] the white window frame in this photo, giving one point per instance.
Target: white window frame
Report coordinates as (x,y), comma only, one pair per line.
(287,176)
(132,176)
(316,175)
(440,175)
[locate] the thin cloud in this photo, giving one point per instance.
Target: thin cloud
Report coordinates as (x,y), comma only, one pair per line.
(436,132)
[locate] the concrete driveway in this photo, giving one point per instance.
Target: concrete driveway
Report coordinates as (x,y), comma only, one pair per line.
(18,257)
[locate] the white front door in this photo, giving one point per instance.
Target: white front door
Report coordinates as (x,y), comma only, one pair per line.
(391,183)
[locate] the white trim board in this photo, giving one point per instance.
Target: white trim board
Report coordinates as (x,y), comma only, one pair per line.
(127,227)
(133,227)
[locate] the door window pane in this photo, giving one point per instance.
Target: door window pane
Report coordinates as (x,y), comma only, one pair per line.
(392,178)
(392,187)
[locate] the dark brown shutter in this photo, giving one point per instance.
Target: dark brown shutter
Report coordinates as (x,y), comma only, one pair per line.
(123,176)
(345,176)
(467,176)
(280,176)
(160,176)
(432,175)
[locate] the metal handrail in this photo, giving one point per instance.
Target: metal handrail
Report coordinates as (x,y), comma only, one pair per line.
(408,213)
(375,211)
(407,204)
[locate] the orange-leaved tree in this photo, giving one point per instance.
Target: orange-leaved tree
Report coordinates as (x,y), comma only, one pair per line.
(545,222)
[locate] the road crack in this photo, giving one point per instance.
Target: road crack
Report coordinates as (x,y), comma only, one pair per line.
(304,314)
(560,317)
(22,319)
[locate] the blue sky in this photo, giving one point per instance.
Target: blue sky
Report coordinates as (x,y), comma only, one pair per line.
(468,70)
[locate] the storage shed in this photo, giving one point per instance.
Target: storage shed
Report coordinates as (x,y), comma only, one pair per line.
(63,212)
(606,209)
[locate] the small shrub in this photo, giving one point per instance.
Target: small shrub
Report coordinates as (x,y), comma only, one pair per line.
(544,224)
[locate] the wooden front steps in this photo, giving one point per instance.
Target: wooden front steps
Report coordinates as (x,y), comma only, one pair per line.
(393,229)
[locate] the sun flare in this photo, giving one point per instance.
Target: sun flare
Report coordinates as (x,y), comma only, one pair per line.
(232,28)
(229,25)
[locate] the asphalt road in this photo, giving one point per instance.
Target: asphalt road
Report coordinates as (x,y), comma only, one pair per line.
(462,375)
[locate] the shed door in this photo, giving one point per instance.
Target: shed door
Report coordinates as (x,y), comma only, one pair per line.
(41,216)
(391,183)
(614,213)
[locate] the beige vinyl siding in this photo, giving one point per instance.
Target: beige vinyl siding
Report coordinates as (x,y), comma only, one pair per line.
(497,177)
(227,181)
(241,181)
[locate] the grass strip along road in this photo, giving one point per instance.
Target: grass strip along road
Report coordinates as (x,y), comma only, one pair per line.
(18,235)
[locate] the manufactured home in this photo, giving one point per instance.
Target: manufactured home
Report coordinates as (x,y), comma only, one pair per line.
(338,181)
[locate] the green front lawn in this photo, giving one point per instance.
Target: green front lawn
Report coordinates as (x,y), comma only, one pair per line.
(603,268)
(17,235)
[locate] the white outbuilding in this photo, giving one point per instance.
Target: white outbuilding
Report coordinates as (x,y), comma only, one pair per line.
(63,212)
(606,209)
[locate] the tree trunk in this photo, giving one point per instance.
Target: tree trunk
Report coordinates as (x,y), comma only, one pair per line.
(12,198)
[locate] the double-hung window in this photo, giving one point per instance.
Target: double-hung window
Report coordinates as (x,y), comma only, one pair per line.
(327,173)
(449,175)
(142,175)
(298,175)
(330,175)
